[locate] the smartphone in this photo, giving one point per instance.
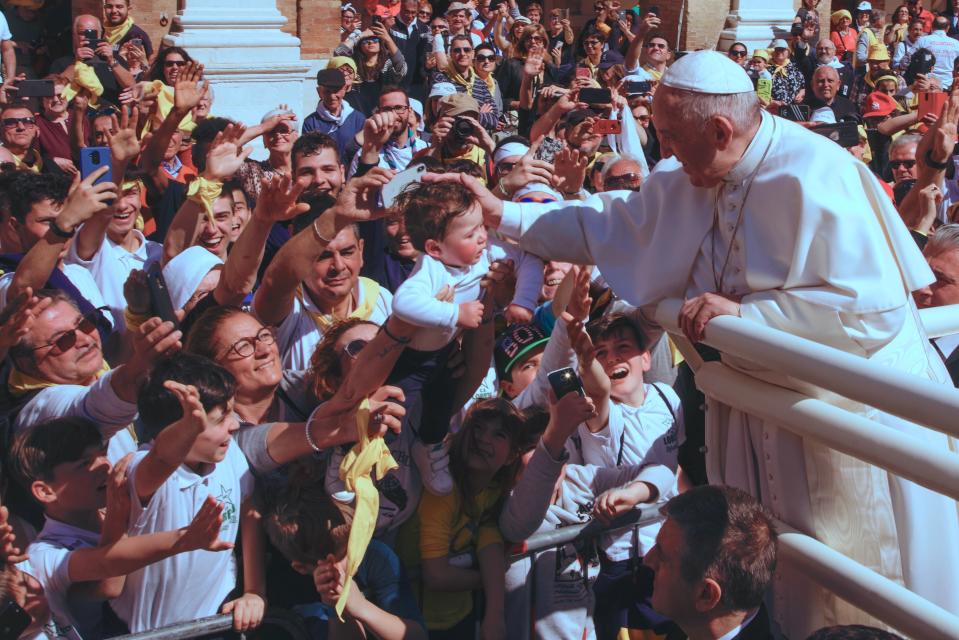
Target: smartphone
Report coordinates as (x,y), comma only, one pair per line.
(931,102)
(400,181)
(582,72)
(377,20)
(91,159)
(91,36)
(35,88)
(548,149)
(607,127)
(13,619)
(137,42)
(795,112)
(595,96)
(564,381)
(654,10)
(564,14)
(845,134)
(161,305)
(637,87)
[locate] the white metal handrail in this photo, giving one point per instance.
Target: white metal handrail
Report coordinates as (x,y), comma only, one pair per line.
(940,321)
(907,396)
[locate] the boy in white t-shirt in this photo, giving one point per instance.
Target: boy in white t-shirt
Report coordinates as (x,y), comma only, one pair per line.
(445,223)
(77,559)
(186,411)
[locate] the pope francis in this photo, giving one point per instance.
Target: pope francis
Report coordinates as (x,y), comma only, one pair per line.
(755,216)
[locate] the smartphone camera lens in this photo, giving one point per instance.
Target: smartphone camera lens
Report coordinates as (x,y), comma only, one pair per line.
(95,156)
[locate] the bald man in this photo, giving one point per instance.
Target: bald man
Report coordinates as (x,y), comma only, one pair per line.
(826,86)
(96,53)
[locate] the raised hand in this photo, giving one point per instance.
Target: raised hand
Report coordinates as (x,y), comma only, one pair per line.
(328,579)
(23,311)
(359,198)
(565,415)
(528,170)
(378,129)
(225,155)
(124,145)
(569,170)
(189,399)
(386,411)
(272,122)
(85,200)
(155,339)
(9,552)
(136,292)
(278,199)
(117,513)
(534,64)
(470,314)
(190,87)
(580,302)
(203,532)
(499,282)
(491,205)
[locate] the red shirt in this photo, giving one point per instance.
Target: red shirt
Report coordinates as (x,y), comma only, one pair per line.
(927,17)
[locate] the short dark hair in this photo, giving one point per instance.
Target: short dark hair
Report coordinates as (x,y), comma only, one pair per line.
(615,323)
(852,632)
(484,45)
(465,165)
(203,134)
(306,525)
(156,71)
(393,88)
(311,144)
(430,206)
(39,449)
(28,188)
(158,406)
(461,36)
(728,537)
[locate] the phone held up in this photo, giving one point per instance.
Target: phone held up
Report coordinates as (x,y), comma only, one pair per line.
(564,381)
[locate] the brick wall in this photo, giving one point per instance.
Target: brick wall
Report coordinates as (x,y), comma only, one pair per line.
(319,27)
(146,13)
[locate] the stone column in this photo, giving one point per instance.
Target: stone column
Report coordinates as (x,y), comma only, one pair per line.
(756,23)
(252,65)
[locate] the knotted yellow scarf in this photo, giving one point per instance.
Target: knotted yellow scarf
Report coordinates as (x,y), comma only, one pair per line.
(84,77)
(464,81)
(165,95)
(370,292)
(21,164)
(205,192)
(366,456)
(20,383)
(115,34)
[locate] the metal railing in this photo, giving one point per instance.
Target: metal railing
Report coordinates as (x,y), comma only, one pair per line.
(910,397)
(281,619)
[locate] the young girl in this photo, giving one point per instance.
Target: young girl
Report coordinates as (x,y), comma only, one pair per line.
(460,543)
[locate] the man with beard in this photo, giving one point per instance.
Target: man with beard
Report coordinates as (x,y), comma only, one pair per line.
(314,279)
(826,57)
(389,139)
(119,29)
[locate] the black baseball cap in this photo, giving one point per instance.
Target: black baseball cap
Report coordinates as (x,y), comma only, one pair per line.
(331,79)
(516,344)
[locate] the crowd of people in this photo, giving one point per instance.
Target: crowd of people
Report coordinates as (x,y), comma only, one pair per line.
(219,392)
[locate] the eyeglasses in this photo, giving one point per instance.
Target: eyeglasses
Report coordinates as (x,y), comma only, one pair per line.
(373,40)
(65,341)
(628,181)
(737,53)
(592,43)
(537,39)
(655,45)
(896,164)
(10,123)
(246,347)
(643,118)
(459,50)
(545,200)
(438,27)
(280,131)
(397,108)
(424,14)
(174,63)
(353,347)
(485,58)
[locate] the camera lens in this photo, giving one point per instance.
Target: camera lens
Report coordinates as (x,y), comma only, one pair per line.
(95,156)
(462,128)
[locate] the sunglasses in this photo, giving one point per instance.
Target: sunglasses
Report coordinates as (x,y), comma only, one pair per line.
(592,43)
(908,164)
(458,50)
(544,200)
(424,14)
(655,45)
(626,181)
(246,347)
(738,54)
(353,347)
(174,63)
(10,123)
(373,40)
(485,58)
(397,108)
(65,341)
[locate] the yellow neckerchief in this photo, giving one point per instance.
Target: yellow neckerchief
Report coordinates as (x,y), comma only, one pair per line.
(781,70)
(22,164)
(490,84)
(20,383)
(457,78)
(84,77)
(369,293)
(165,96)
(115,34)
(204,193)
(653,72)
(366,456)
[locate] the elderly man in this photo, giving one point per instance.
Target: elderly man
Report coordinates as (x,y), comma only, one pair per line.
(725,190)
(825,93)
(902,163)
(94,55)
(8,58)
(18,136)
(942,254)
(825,56)
(622,172)
(334,116)
(714,557)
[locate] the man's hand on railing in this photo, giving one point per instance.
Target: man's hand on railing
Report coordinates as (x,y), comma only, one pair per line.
(698,311)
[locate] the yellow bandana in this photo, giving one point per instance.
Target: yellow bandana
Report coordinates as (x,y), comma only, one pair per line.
(205,192)
(23,166)
(464,81)
(84,78)
(165,95)
(366,456)
(115,34)
(20,383)
(369,293)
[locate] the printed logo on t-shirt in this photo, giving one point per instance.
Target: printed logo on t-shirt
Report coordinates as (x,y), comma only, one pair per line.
(670,439)
(229,507)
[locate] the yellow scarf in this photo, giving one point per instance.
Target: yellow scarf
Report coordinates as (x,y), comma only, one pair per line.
(84,77)
(115,34)
(781,70)
(464,81)
(205,192)
(165,96)
(36,167)
(366,456)
(20,383)
(369,293)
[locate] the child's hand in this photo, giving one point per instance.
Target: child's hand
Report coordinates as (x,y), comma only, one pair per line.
(117,514)
(189,398)
(204,531)
(516,314)
(247,611)
(579,301)
(470,315)
(615,502)
(9,554)
(581,342)
(569,412)
(328,580)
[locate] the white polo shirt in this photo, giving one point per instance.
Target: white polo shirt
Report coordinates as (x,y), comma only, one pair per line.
(189,585)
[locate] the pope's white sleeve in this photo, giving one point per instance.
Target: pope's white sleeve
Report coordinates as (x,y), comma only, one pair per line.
(529,276)
(414,300)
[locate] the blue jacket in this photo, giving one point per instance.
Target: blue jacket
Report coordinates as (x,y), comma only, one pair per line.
(343,135)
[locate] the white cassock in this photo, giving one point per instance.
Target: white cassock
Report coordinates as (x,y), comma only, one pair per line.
(821,253)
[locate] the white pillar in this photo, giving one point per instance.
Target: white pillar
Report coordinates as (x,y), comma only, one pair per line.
(756,23)
(251,64)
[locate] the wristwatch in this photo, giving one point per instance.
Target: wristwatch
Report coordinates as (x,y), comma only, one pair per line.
(939,166)
(60,233)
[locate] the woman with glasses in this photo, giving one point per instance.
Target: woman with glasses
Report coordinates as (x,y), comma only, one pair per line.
(463,75)
(898,27)
(168,64)
(739,54)
(484,64)
(379,62)
(561,36)
(522,76)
